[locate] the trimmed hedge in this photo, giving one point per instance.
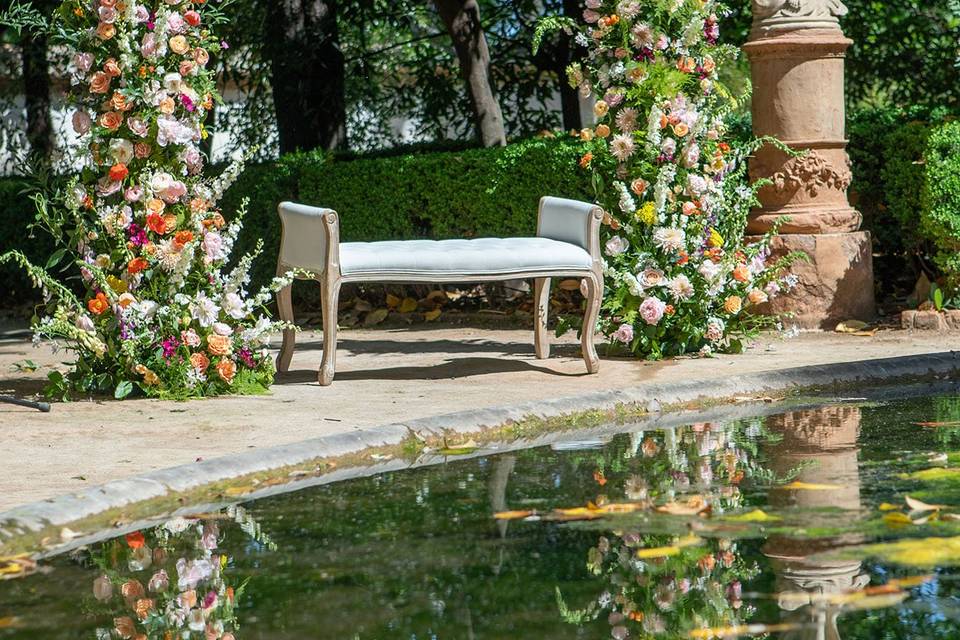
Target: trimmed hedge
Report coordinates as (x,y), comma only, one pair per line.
(451,194)
(940,198)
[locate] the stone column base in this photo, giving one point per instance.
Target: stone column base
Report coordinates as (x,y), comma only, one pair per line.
(835,285)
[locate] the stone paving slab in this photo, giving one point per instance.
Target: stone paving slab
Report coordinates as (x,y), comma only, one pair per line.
(433,377)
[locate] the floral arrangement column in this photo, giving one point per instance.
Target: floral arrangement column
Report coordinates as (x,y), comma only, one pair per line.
(679,275)
(140,224)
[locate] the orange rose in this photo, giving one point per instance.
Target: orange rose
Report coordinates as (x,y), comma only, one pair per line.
(106,31)
(99,82)
(111,120)
(98,305)
(219,345)
(179,45)
(602,131)
(200,361)
(227,369)
(680,130)
(137,265)
(741,274)
(183,238)
(112,68)
(118,172)
(156,223)
(733,304)
(586,160)
(131,590)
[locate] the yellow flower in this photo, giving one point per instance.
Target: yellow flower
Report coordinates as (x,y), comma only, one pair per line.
(600,108)
(716,240)
(117,284)
(647,214)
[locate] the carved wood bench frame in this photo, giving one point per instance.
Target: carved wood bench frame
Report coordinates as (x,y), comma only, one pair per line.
(553,220)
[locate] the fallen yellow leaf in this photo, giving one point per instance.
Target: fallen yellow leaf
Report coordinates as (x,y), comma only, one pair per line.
(897,518)
(392,301)
(513,515)
(809,486)
(430,316)
(408,305)
(741,630)
(375,317)
(753,516)
(237,491)
(9,622)
(691,507)
(851,326)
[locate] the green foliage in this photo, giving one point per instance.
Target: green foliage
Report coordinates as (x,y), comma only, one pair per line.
(940,198)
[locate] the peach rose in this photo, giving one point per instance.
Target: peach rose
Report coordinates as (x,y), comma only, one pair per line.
(603,131)
(99,82)
(201,57)
(219,345)
(167,105)
(144,607)
(111,120)
(124,627)
(756,296)
(200,362)
(187,67)
(179,45)
(142,150)
(600,108)
(112,68)
(733,304)
(680,130)
(119,102)
(227,370)
(741,274)
(131,590)
(105,31)
(155,205)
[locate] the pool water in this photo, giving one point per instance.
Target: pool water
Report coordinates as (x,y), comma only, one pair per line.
(780,525)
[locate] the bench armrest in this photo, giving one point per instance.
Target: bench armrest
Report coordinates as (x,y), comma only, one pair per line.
(571,221)
(310,238)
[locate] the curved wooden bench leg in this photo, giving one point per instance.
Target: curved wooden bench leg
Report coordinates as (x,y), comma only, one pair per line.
(329,300)
(592,312)
(541,300)
(285,308)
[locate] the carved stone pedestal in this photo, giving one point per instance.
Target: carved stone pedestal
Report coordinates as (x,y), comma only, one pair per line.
(796,51)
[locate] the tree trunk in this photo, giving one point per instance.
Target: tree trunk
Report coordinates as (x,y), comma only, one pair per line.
(307,74)
(569,96)
(36,91)
(462,19)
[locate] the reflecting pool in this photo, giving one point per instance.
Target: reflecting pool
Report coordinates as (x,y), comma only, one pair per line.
(841,521)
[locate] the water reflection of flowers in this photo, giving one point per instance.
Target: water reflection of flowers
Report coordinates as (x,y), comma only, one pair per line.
(663,585)
(189,597)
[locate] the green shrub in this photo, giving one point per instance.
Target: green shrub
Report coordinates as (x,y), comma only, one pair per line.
(450,194)
(940,198)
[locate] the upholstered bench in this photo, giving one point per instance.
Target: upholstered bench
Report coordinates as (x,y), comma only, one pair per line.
(567,245)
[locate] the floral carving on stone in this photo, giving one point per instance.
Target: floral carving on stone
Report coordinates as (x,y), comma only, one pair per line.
(776,15)
(812,172)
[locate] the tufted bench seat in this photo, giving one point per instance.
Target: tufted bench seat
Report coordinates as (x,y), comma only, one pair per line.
(566,245)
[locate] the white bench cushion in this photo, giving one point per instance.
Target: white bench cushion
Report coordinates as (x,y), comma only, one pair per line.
(423,259)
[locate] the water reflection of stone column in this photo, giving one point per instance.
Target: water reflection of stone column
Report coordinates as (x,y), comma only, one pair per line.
(796,51)
(823,442)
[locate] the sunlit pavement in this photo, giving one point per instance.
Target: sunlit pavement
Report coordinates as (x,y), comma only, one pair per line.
(384,376)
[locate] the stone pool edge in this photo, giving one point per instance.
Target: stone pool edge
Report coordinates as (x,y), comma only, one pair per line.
(396,446)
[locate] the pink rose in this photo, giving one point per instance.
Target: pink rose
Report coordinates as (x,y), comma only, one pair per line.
(213,246)
(83,61)
(651,310)
(624,334)
(590,16)
(138,126)
(133,194)
(81,122)
(142,150)
(176,23)
(159,582)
